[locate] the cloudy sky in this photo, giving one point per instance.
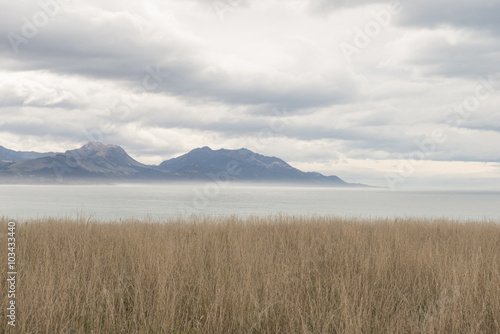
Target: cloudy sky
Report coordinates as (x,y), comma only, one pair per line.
(402,92)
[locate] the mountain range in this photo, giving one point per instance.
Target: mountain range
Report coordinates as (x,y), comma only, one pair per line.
(97,162)
(17,156)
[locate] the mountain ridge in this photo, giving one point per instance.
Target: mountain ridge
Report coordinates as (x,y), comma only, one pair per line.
(98,162)
(8,155)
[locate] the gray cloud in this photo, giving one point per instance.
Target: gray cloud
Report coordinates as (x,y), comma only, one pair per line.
(115,48)
(449,54)
(481,14)
(221,81)
(323,6)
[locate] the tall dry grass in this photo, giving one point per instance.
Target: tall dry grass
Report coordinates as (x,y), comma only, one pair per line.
(273,275)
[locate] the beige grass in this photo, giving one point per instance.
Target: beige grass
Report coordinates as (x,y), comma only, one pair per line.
(274,275)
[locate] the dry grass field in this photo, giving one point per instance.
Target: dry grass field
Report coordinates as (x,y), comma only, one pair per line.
(274,275)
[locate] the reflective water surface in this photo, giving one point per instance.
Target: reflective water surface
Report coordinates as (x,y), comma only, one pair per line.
(109,202)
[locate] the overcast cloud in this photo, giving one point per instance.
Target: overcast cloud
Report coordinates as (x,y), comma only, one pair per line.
(359,89)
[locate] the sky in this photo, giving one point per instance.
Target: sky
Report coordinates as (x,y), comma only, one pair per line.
(391,93)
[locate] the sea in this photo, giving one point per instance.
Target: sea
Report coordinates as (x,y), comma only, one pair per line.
(174,201)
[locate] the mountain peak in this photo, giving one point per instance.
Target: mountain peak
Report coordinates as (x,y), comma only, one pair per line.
(95,145)
(94,148)
(92,160)
(202,149)
(204,163)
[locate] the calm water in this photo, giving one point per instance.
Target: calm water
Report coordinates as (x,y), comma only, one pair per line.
(171,201)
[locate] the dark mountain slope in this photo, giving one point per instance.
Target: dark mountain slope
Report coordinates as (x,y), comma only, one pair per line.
(7,155)
(242,164)
(93,160)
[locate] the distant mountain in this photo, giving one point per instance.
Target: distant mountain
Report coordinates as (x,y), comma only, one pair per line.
(7,155)
(243,165)
(91,161)
(97,162)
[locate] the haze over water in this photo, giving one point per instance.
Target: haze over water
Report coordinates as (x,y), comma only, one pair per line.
(113,202)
